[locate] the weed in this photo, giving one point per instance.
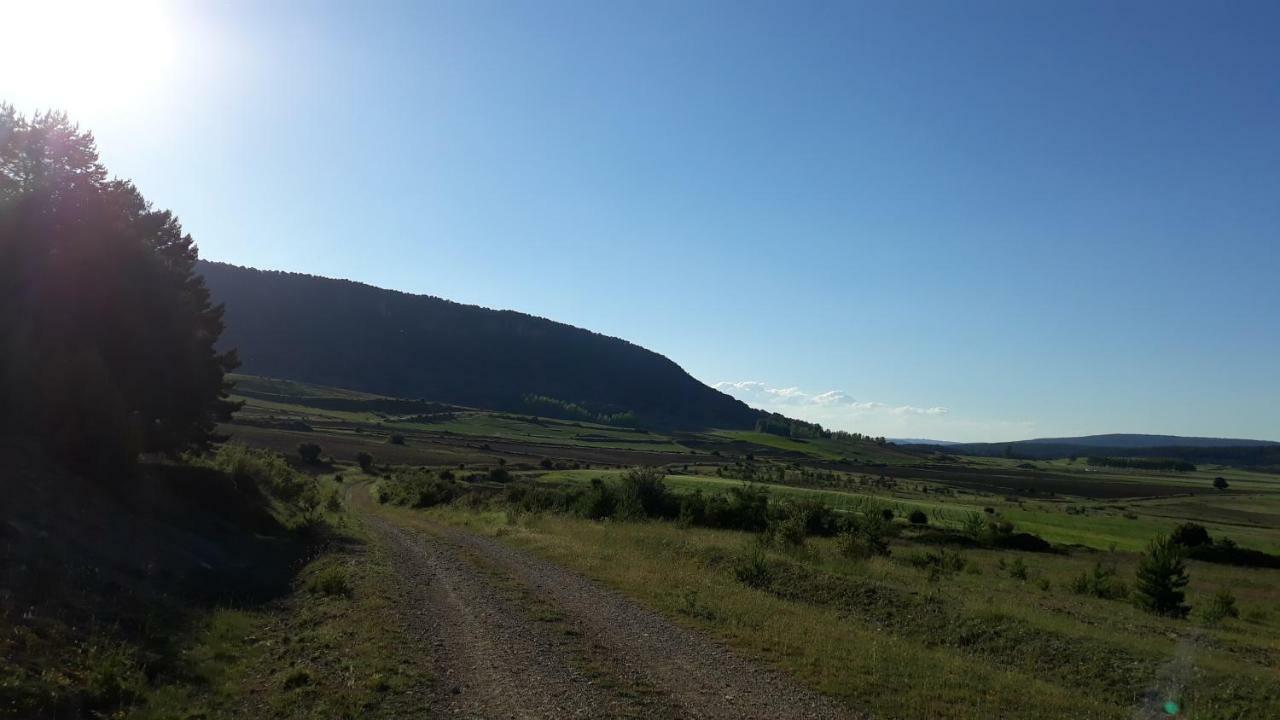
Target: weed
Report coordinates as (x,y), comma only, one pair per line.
(1221,607)
(331,580)
(752,569)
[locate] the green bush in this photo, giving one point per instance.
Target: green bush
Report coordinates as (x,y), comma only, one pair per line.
(598,502)
(917,517)
(262,469)
(1101,582)
(787,527)
(1221,607)
(865,537)
(643,494)
(309,452)
(940,561)
(1191,535)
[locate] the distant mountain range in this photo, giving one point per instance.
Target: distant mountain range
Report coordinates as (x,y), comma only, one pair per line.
(1110,441)
(1226,451)
(351,335)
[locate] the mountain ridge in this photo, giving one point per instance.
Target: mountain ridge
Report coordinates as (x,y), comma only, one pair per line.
(343,333)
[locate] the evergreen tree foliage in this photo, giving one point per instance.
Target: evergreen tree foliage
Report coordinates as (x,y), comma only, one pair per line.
(106,332)
(1162,576)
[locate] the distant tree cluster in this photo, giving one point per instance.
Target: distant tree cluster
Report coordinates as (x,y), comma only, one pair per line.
(776,424)
(554,407)
(1165,464)
(783,426)
(107,333)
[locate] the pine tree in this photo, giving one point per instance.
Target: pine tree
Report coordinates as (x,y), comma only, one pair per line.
(107,334)
(1162,575)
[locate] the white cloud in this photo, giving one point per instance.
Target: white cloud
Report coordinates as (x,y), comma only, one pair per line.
(839,410)
(755,392)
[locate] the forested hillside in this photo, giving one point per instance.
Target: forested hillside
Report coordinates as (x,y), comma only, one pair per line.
(346,334)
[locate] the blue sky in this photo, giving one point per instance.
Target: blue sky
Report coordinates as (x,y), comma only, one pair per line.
(968,221)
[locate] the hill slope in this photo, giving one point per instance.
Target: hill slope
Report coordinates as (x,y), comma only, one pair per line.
(347,334)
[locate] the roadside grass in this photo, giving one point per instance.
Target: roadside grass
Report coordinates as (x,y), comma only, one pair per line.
(902,642)
(329,649)
(224,586)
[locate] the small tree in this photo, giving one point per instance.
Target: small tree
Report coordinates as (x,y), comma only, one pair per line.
(365,460)
(310,453)
(1162,575)
(1221,483)
(917,517)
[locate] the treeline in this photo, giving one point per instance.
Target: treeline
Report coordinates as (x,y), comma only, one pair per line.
(1162,464)
(556,408)
(783,426)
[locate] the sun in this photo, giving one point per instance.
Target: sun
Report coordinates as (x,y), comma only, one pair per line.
(84,55)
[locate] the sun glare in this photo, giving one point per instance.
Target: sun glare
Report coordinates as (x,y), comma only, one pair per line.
(84,56)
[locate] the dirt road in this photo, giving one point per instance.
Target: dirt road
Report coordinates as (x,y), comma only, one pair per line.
(513,636)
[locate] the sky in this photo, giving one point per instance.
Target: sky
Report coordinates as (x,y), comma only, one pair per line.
(963,221)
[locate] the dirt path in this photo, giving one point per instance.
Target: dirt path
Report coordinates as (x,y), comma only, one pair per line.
(513,636)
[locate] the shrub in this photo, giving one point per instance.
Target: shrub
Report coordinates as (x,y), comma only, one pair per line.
(643,494)
(310,453)
(917,517)
(787,527)
(814,517)
(1191,535)
(941,561)
(752,569)
(499,475)
(973,525)
(365,460)
(1100,583)
(1221,483)
(1018,569)
(546,464)
(599,502)
(396,439)
(1001,534)
(1221,607)
(745,507)
(334,502)
(1162,575)
(1227,552)
(261,469)
(865,538)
